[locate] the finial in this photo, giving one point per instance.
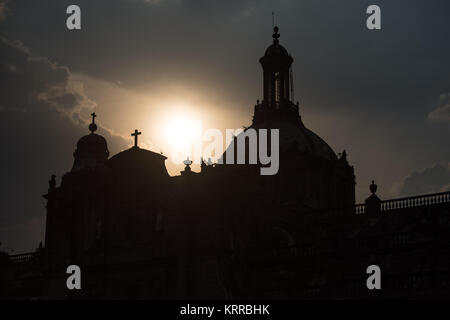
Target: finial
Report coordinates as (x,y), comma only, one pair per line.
(93,126)
(275,35)
(373,187)
(203,164)
(344,155)
(52,182)
(187,162)
(135,135)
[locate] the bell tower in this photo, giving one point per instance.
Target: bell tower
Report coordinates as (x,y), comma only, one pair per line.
(276,64)
(277,85)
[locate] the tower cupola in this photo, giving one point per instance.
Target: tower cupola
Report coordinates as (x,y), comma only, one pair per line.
(276,64)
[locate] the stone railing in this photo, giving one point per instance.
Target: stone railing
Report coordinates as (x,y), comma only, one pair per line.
(416,201)
(23,257)
(409,202)
(360,208)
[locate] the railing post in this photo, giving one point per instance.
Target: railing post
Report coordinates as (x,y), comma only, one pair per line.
(373,203)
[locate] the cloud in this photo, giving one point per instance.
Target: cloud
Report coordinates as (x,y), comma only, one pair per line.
(431,180)
(442,111)
(34,82)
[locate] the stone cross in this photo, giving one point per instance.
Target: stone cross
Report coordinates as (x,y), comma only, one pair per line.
(135,135)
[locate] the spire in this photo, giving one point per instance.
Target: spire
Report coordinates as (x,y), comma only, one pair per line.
(93,126)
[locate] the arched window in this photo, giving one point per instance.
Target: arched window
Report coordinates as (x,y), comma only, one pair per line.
(277,88)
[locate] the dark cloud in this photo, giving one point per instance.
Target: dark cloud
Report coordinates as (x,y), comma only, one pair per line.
(216,44)
(442,111)
(32,82)
(430,180)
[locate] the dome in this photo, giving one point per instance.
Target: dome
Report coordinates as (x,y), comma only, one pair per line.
(92,145)
(295,138)
(276,50)
(92,141)
(320,147)
(92,150)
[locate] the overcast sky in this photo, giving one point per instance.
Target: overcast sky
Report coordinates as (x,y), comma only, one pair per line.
(383,95)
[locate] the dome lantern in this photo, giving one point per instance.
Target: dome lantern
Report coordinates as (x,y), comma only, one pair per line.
(276,64)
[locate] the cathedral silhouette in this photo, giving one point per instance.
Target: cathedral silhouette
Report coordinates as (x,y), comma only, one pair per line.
(228,232)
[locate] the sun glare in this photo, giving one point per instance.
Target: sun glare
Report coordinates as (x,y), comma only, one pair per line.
(180,132)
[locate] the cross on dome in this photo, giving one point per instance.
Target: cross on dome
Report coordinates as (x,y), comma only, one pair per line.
(135,135)
(93,126)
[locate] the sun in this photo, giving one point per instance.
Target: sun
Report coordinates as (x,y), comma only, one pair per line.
(181,131)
